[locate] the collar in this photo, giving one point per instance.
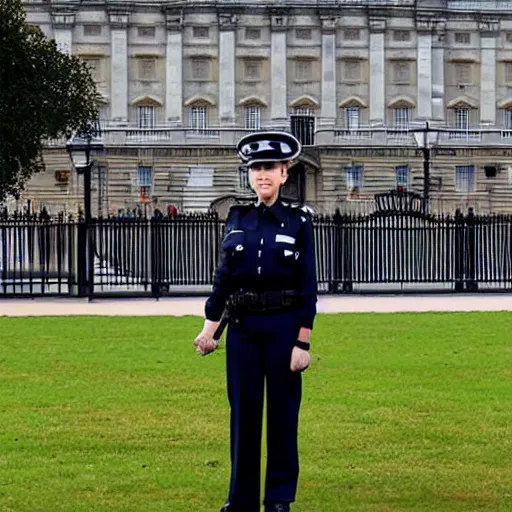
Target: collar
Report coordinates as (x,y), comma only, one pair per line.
(278,210)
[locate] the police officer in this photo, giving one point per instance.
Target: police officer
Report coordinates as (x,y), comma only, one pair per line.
(267,277)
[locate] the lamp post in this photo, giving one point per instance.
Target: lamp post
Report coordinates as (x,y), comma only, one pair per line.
(426,138)
(80,147)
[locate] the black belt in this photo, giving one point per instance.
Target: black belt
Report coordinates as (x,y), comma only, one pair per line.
(270,300)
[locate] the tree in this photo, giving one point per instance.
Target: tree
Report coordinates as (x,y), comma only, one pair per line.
(44,94)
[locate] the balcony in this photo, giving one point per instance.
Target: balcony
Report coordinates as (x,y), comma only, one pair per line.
(363,136)
(384,136)
(290,3)
(480,5)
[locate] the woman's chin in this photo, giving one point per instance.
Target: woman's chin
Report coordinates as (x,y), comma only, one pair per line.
(265,193)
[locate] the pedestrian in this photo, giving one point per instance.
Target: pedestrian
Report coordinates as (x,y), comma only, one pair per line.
(267,278)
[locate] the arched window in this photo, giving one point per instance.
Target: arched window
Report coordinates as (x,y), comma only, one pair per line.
(506,107)
(461,115)
(147,110)
(253,108)
(401,113)
(351,112)
(198,109)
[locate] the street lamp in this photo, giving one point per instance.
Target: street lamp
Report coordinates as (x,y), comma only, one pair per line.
(80,147)
(426,138)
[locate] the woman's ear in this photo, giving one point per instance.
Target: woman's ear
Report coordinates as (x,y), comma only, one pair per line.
(284,173)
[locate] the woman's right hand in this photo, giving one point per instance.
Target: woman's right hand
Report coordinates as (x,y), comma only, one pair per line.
(204,341)
(205,344)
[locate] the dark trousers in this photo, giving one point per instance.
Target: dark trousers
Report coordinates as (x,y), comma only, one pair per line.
(258,352)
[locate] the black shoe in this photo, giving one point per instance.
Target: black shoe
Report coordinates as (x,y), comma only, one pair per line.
(278,507)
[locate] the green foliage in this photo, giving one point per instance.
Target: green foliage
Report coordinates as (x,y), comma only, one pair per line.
(45,94)
(401,413)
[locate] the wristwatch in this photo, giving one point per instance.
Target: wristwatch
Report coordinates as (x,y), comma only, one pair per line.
(302,344)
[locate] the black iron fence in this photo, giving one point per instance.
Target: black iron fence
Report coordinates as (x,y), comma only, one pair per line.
(178,255)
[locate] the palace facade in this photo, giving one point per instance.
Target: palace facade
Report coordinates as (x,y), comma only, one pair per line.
(181,81)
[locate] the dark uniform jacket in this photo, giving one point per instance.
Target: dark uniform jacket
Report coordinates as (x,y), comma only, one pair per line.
(266,248)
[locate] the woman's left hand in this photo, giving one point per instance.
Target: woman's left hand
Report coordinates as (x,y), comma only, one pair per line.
(300,360)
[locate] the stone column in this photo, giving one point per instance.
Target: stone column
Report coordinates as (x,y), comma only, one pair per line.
(227,47)
(119,67)
(488,34)
(438,96)
(63,23)
(377,74)
(424,69)
(278,78)
(328,107)
(173,70)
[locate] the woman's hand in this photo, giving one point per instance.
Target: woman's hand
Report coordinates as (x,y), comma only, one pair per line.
(204,341)
(205,344)
(300,360)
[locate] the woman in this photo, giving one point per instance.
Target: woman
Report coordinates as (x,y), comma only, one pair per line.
(267,276)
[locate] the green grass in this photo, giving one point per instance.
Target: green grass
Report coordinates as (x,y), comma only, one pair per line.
(403,412)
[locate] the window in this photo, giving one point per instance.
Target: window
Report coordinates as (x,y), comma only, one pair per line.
(93,64)
(146,32)
(401,35)
(103,114)
(463,73)
(200,69)
(401,72)
(252,69)
(101,177)
(465,178)
(303,69)
(146,117)
(402,175)
(352,70)
(462,119)
(92,30)
(252,117)
(100,123)
(252,33)
(509,37)
(354,176)
(198,118)
(144,182)
(462,37)
(243,174)
(201,32)
(303,111)
(303,33)
(352,118)
(507,119)
(508,72)
(144,176)
(351,34)
(147,68)
(102,120)
(401,118)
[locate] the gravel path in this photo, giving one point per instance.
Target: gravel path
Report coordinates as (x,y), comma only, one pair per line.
(195,305)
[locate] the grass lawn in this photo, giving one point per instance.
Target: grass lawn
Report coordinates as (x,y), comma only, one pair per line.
(401,413)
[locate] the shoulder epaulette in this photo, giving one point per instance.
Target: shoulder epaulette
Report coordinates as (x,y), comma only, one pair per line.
(303,209)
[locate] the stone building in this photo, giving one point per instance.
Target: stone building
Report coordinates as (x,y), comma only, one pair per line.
(182,80)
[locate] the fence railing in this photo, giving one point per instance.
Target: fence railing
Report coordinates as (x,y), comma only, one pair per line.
(178,255)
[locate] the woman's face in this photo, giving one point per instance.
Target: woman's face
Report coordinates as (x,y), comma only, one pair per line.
(266,178)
